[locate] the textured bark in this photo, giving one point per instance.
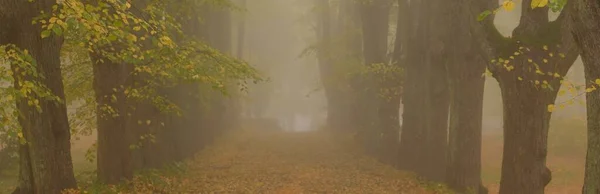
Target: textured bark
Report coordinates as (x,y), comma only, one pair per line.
(113,153)
(437,110)
(45,161)
(425,118)
(586,25)
(465,65)
(464,149)
(374,118)
(414,118)
(526,122)
(525,104)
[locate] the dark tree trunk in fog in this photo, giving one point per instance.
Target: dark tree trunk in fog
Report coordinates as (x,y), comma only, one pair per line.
(526,122)
(465,66)
(414,116)
(114,138)
(45,161)
(437,108)
(333,55)
(219,25)
(426,96)
(586,25)
(378,116)
(241,41)
(526,115)
(323,31)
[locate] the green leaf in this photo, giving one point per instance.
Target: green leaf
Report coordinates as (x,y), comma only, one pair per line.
(538,3)
(112,37)
(57,30)
(483,15)
(46,33)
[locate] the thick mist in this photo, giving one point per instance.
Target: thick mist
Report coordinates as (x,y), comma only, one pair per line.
(277,33)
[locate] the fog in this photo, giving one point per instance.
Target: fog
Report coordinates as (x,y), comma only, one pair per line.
(277,33)
(341,81)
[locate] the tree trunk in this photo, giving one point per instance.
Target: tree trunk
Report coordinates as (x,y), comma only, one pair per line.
(585,18)
(114,137)
(334,117)
(414,116)
(526,121)
(45,164)
(465,66)
(426,99)
(219,37)
(464,146)
(241,32)
(375,25)
(437,99)
(525,93)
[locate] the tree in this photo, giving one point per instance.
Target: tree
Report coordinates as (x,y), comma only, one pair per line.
(380,84)
(465,66)
(585,16)
(425,95)
(539,52)
(45,157)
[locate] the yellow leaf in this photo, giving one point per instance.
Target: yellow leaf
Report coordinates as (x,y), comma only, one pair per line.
(508,5)
(597,81)
(588,90)
(538,3)
(148,122)
(550,107)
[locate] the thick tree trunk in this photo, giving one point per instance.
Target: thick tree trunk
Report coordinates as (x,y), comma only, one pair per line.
(526,122)
(465,66)
(525,94)
(437,109)
(426,99)
(586,25)
(414,117)
(464,147)
(45,161)
(114,137)
(375,24)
